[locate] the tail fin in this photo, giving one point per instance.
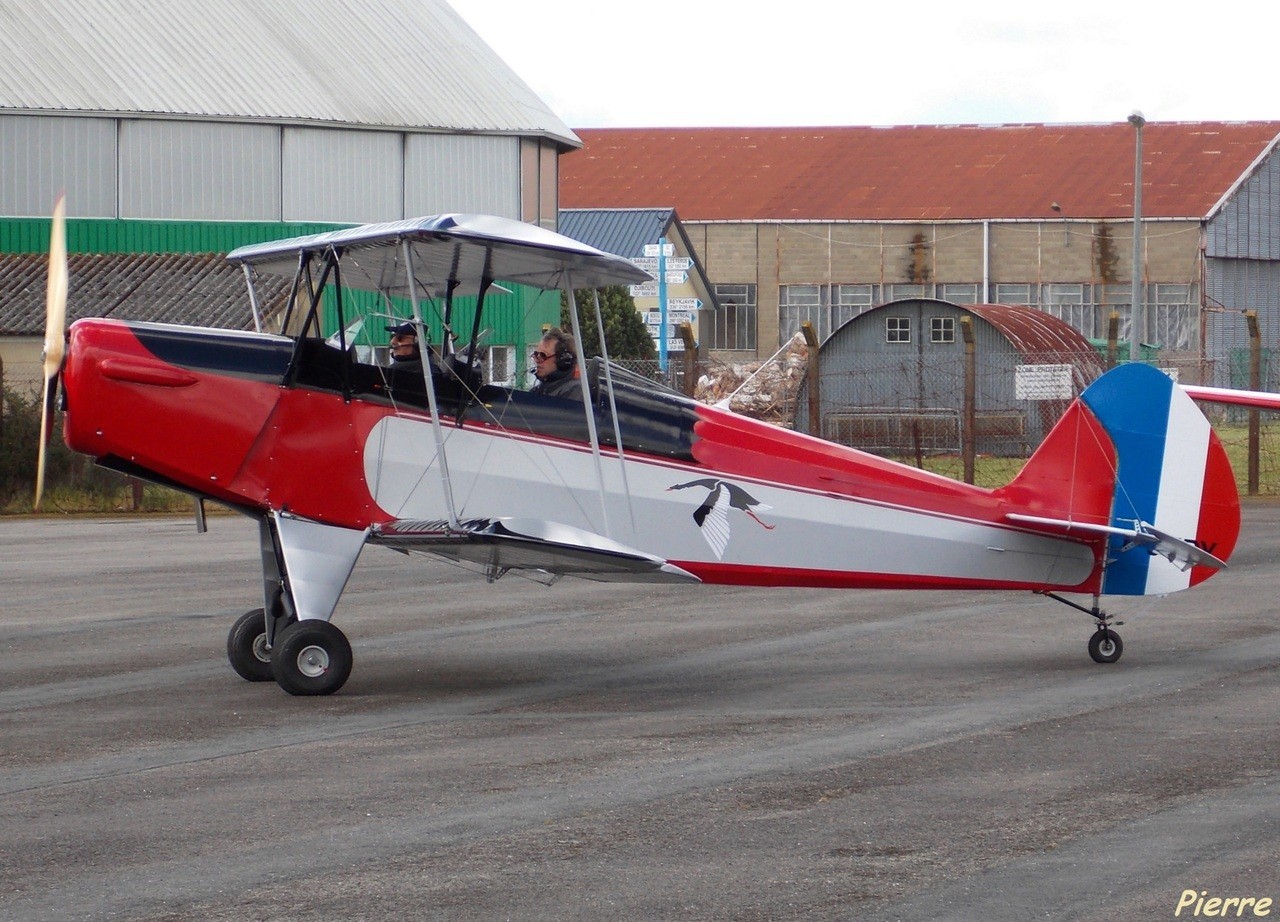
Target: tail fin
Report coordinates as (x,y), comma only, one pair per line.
(1134,452)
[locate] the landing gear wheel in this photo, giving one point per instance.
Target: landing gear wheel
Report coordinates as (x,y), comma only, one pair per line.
(247,647)
(311,658)
(1105,646)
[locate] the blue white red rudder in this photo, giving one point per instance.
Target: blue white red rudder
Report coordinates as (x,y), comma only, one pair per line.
(1172,474)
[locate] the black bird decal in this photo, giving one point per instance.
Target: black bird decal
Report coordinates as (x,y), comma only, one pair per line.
(712,516)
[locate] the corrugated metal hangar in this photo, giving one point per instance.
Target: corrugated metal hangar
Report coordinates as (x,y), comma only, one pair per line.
(228,122)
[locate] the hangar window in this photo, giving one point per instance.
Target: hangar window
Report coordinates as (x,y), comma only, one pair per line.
(734,325)
(848,301)
(1014,293)
(1067,302)
(901,292)
(500,365)
(798,303)
(942,329)
(897,329)
(959,293)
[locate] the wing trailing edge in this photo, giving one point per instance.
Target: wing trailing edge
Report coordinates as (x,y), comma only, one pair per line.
(511,544)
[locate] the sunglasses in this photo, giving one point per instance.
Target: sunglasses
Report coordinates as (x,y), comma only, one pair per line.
(541,356)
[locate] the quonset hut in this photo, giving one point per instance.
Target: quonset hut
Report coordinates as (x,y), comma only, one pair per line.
(893,379)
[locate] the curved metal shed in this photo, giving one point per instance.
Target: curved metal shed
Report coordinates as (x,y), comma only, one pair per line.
(892,380)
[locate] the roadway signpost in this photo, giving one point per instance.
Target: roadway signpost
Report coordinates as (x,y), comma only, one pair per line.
(660,261)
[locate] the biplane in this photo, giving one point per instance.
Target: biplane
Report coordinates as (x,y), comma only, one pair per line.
(1130,493)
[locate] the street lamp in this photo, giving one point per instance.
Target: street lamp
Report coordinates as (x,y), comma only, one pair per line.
(1136,307)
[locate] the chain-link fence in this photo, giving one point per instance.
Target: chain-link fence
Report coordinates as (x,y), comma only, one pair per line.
(915,410)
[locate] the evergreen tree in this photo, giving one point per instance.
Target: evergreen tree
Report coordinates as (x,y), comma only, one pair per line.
(624,330)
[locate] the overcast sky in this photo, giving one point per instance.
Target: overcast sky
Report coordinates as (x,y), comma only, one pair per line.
(601,63)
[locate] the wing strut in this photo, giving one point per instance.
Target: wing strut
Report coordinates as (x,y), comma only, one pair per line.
(586,401)
(613,409)
(436,430)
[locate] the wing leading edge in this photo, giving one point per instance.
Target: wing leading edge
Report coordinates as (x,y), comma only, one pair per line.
(506,544)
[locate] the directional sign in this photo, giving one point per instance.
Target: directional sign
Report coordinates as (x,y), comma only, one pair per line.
(683,304)
(652,249)
(677,278)
(647,290)
(674,343)
(674,264)
(680,316)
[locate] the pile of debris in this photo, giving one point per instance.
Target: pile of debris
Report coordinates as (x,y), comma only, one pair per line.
(764,390)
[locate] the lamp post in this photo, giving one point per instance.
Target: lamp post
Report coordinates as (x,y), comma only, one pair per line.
(1136,307)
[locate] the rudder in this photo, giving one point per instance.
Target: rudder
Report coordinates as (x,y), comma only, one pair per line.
(1172,473)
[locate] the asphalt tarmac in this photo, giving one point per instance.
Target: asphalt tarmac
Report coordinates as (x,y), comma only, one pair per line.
(512,751)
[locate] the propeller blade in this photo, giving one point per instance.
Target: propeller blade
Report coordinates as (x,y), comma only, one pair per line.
(55,328)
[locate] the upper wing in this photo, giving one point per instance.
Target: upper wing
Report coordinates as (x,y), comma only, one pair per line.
(1262,399)
(504,544)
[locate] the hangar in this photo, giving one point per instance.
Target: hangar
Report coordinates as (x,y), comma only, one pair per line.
(183,136)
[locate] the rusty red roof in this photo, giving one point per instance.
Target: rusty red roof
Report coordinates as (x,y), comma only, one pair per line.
(1038,335)
(912,173)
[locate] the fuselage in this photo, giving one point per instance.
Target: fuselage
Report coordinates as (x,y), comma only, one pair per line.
(251,420)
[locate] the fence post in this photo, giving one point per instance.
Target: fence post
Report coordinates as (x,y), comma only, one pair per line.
(812,378)
(690,359)
(1113,334)
(1255,384)
(968,446)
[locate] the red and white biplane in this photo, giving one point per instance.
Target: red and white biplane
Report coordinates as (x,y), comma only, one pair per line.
(1131,492)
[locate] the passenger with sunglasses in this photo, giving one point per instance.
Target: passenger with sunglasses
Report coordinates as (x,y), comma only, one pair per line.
(556,366)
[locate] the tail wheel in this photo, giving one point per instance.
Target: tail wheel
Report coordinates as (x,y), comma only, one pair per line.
(311,658)
(1105,646)
(247,647)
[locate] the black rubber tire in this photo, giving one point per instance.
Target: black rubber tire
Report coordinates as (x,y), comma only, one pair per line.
(247,647)
(311,658)
(1105,646)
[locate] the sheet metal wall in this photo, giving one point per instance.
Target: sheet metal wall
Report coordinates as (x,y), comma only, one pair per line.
(199,171)
(1248,225)
(356,174)
(1242,247)
(223,171)
(1233,287)
(42,156)
(467,173)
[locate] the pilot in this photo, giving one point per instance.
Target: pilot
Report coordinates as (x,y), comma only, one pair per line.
(556,366)
(406,354)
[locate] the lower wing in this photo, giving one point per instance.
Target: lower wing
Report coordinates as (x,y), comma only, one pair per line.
(530,546)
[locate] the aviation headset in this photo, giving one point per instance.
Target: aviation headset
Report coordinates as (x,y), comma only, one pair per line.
(565,359)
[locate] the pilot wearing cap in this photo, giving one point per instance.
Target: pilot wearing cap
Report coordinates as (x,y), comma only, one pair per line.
(406,354)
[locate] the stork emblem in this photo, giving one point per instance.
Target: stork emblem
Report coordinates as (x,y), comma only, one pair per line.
(712,516)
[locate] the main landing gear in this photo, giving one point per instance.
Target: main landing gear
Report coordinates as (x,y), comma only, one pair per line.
(1105,645)
(290,638)
(308,657)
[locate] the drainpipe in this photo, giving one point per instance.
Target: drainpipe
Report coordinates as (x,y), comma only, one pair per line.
(986,262)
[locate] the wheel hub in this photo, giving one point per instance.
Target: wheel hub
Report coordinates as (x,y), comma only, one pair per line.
(313,661)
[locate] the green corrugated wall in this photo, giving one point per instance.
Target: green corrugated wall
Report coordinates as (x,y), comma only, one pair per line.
(515,319)
(31,235)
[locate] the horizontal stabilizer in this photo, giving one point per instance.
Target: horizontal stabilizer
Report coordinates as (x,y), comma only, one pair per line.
(1264,400)
(505,544)
(1183,554)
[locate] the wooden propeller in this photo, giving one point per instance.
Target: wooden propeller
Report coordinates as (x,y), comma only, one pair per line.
(55,327)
